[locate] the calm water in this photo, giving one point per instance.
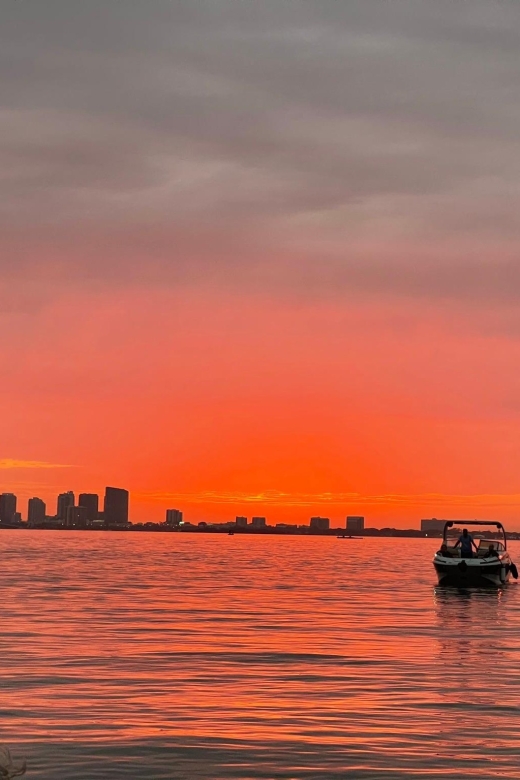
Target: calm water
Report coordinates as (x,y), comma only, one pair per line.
(184,656)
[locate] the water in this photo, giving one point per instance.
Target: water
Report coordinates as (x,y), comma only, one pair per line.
(197,656)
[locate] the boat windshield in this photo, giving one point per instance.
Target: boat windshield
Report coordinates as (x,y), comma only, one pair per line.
(482,551)
(485,544)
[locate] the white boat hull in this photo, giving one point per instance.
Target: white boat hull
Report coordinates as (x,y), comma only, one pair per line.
(473,572)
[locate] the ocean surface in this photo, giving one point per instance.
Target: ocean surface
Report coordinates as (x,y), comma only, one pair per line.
(134,655)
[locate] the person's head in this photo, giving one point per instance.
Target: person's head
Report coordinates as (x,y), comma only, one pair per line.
(464,532)
(444,547)
(491,548)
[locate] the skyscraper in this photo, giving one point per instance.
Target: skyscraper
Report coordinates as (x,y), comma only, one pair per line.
(433,525)
(116,506)
(355,523)
(64,501)
(7,507)
(90,501)
(320,523)
(76,517)
(35,511)
(173,517)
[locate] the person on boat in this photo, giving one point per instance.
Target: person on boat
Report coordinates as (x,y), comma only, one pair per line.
(466,544)
(492,552)
(444,551)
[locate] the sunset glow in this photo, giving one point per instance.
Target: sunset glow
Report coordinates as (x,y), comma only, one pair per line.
(261,262)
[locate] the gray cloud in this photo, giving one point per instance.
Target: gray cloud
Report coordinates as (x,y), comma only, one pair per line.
(368,146)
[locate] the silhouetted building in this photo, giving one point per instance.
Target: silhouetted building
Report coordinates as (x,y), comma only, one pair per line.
(116,506)
(173,518)
(90,501)
(355,523)
(7,507)
(258,522)
(432,525)
(241,521)
(36,511)
(64,501)
(320,523)
(76,517)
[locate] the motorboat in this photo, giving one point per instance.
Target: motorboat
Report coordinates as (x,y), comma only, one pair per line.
(490,564)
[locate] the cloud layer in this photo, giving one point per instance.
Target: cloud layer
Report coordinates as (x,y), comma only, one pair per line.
(10,463)
(370,147)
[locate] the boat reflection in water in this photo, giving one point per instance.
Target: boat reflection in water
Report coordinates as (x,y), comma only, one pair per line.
(476,669)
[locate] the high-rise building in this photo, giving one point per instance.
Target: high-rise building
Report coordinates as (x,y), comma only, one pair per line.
(355,523)
(258,522)
(7,507)
(320,523)
(90,502)
(432,525)
(35,511)
(241,521)
(64,501)
(76,517)
(116,506)
(173,518)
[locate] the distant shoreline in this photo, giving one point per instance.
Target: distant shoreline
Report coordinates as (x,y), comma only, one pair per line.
(338,533)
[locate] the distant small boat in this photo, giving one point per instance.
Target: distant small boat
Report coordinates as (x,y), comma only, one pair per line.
(490,565)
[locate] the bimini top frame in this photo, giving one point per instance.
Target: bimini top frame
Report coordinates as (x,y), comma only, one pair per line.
(450,523)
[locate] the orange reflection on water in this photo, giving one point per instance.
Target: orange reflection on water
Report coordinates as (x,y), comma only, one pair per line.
(319,652)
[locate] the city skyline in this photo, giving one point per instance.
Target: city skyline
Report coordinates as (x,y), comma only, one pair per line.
(219,506)
(86,510)
(68,512)
(114,516)
(85,513)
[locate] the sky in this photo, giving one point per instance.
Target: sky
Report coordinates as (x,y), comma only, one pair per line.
(262,258)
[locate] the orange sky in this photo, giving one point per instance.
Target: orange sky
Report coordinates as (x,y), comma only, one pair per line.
(262,262)
(220,405)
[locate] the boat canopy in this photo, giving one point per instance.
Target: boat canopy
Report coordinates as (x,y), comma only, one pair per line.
(463,523)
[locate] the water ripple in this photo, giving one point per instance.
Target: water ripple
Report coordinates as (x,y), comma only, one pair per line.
(187,656)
